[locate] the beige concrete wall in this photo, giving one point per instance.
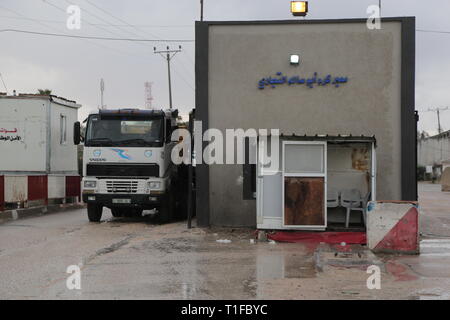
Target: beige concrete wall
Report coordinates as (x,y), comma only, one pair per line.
(433,150)
(369,104)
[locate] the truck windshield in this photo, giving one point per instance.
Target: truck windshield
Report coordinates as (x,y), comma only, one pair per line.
(124,132)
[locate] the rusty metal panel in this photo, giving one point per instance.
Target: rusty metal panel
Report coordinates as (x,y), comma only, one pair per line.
(304,201)
(361,158)
(37,188)
(73,186)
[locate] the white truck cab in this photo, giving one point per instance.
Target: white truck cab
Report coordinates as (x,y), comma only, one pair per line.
(126,162)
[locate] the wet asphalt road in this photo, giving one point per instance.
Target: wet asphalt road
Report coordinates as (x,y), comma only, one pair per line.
(136,259)
(139,259)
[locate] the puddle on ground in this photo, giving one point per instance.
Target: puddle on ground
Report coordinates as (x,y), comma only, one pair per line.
(431,294)
(231,270)
(282,266)
(435,247)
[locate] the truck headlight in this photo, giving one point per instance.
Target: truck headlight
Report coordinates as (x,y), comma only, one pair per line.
(90,184)
(154,185)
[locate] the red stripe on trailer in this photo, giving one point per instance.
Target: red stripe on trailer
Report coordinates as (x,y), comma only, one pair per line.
(73,186)
(403,236)
(38,188)
(2,193)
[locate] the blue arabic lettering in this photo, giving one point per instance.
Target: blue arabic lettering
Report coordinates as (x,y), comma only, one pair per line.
(280,79)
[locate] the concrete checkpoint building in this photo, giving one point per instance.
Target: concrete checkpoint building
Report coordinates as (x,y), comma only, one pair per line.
(342,96)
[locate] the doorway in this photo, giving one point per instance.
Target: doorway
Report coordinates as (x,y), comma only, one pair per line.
(294,195)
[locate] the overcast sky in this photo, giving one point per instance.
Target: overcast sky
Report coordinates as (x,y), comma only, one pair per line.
(72,68)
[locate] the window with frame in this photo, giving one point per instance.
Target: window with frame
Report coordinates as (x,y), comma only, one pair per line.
(249,171)
(63,129)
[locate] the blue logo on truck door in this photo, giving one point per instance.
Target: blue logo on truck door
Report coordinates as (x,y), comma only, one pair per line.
(122,153)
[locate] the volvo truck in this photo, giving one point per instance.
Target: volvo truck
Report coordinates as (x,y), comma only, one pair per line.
(127,163)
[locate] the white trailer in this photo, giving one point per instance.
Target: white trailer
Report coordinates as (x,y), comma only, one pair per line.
(38,159)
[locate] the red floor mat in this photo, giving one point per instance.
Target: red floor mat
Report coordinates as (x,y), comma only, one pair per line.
(326,237)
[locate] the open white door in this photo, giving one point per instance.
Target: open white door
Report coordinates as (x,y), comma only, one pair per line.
(304,185)
(268,189)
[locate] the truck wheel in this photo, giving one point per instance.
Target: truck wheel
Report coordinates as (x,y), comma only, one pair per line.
(137,213)
(181,208)
(94,212)
(117,213)
(182,194)
(166,209)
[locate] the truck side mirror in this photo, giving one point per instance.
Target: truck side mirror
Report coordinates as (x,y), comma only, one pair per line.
(76,133)
(168,132)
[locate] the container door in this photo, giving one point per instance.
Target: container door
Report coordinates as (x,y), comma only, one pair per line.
(304,185)
(268,190)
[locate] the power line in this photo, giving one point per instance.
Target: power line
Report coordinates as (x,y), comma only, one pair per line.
(152,35)
(145,33)
(95,17)
(433,31)
(84,19)
(184,79)
(89,38)
(103,24)
(21,15)
(95,37)
(101,19)
(188,72)
(128,25)
(113,16)
(51,28)
(104,11)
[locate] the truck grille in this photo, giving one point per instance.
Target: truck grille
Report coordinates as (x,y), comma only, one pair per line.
(122,170)
(122,186)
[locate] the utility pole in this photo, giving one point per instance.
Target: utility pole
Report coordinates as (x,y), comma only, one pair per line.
(168,55)
(102,89)
(4,84)
(439,122)
(379,5)
(438,112)
(148,95)
(201,10)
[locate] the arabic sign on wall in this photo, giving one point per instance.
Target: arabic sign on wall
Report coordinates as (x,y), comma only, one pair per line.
(9,134)
(311,82)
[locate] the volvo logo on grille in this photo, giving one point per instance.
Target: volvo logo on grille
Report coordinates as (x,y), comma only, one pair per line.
(97,153)
(148,153)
